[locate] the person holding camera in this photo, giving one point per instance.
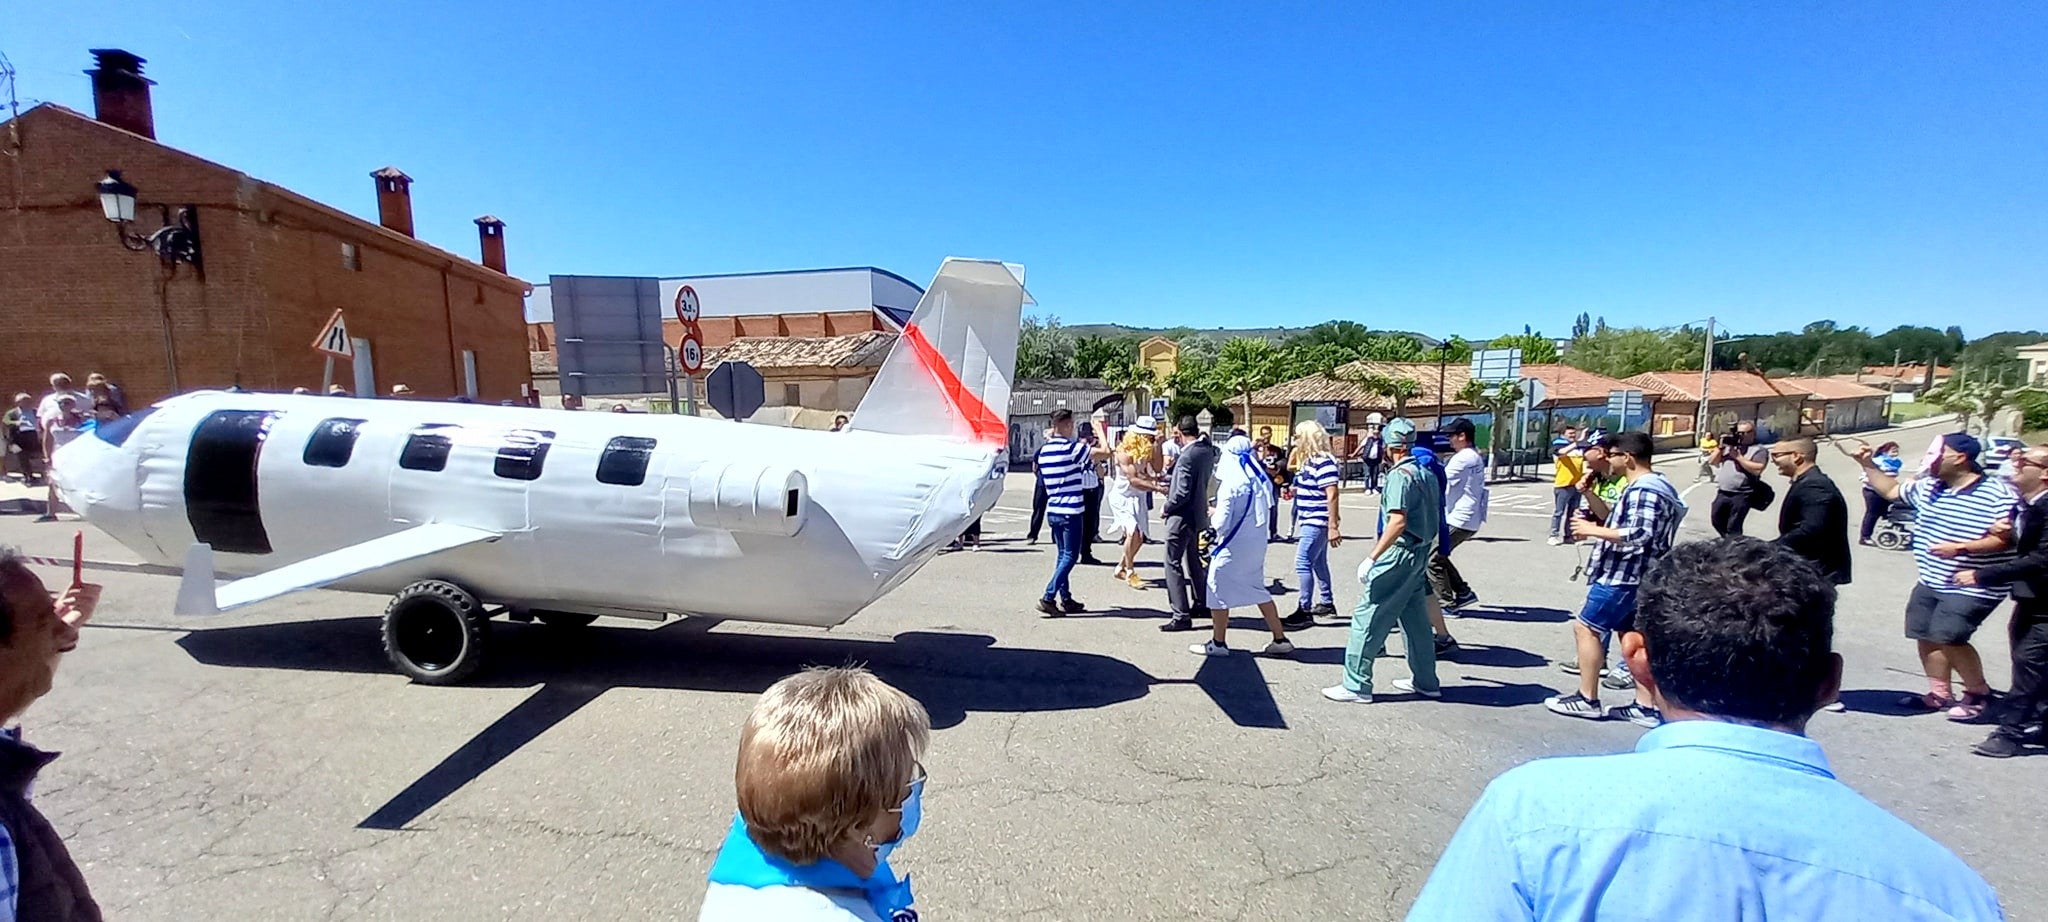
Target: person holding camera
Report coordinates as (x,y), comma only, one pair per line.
(1738,479)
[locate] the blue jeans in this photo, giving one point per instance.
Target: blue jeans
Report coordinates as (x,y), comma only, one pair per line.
(1066,537)
(1312,564)
(1564,503)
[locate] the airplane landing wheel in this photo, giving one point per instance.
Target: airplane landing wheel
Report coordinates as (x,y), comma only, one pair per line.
(434,632)
(564,619)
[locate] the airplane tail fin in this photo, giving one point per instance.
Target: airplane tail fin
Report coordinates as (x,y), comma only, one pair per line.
(949,373)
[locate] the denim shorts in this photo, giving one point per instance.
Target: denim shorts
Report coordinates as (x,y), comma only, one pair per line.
(1609,608)
(1945,617)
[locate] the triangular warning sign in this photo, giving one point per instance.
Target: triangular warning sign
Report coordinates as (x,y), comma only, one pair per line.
(333,338)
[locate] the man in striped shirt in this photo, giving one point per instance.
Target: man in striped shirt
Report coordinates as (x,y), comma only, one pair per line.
(1958,514)
(1061,463)
(1640,528)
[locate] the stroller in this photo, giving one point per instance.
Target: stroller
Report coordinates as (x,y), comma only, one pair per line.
(1894,532)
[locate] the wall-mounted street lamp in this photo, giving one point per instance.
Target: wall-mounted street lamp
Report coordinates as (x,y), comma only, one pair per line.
(176,241)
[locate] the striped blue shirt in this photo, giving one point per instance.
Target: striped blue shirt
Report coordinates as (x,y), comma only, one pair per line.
(1060,462)
(1942,515)
(1311,486)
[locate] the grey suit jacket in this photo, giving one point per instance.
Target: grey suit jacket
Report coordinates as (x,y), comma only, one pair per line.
(1187,497)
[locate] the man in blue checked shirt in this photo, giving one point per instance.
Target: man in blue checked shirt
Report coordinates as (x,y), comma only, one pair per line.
(1640,528)
(1728,812)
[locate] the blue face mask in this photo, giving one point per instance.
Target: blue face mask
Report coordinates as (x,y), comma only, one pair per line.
(913,814)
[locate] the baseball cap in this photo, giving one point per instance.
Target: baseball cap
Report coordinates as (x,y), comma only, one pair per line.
(1400,432)
(1460,426)
(1965,444)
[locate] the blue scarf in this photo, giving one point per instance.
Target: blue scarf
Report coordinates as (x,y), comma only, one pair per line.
(742,863)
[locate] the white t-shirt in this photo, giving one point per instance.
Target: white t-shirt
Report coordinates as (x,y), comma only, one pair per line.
(1465,490)
(46,412)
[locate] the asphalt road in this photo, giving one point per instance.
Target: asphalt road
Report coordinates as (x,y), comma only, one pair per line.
(267,764)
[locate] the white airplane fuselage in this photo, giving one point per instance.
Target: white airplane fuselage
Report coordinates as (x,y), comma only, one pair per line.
(602,513)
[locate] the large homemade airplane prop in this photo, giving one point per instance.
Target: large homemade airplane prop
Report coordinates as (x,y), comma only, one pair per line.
(464,512)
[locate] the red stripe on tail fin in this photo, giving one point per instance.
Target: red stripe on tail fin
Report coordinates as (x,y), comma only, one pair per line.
(987,426)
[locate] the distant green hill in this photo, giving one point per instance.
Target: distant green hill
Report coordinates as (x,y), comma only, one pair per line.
(1113,330)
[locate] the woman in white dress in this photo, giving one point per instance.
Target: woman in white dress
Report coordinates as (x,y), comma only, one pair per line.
(1132,475)
(1237,559)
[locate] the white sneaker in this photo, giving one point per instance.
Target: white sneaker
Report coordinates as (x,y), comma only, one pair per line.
(1340,693)
(1278,648)
(1407,686)
(1554,541)
(1834,707)
(1209,648)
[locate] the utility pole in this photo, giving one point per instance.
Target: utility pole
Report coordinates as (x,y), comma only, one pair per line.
(1699,423)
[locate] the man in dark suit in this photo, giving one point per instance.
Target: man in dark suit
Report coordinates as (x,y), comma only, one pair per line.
(1813,522)
(2027,704)
(1186,511)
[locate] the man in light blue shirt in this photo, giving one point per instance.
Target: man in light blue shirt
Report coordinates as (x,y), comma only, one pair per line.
(1727,811)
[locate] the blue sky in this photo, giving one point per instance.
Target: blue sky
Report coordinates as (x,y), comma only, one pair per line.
(1444,167)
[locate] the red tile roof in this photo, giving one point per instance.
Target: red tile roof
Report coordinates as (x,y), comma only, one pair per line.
(1726,385)
(1316,388)
(1834,388)
(1563,383)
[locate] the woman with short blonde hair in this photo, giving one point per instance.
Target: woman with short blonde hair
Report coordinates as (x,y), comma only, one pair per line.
(829,782)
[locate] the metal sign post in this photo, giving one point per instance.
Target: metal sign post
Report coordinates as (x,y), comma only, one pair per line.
(334,341)
(736,390)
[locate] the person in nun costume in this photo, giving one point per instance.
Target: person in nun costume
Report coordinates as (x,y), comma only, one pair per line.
(1237,559)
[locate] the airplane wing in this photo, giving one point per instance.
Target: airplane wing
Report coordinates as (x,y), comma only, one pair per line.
(197,594)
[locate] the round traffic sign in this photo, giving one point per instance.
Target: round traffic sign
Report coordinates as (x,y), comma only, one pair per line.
(687,309)
(692,353)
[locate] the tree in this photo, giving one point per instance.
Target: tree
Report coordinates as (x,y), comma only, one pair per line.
(1397,389)
(1347,334)
(1454,351)
(1245,365)
(1537,349)
(1044,349)
(1583,325)
(1094,355)
(1916,344)
(1619,353)
(1390,347)
(1496,399)
(1132,380)
(1301,360)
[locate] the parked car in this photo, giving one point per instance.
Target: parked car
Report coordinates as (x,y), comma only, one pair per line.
(1998,448)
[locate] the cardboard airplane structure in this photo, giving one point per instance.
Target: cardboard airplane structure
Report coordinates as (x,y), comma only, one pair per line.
(464,511)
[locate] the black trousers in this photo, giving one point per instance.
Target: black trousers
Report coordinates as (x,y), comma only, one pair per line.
(1187,573)
(2027,704)
(1091,520)
(1037,510)
(1444,578)
(1372,476)
(1730,511)
(1874,508)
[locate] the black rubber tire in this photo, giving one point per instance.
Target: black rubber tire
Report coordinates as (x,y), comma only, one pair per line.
(435,633)
(564,619)
(1889,540)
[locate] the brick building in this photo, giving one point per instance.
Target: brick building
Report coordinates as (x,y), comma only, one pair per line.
(275,266)
(803,302)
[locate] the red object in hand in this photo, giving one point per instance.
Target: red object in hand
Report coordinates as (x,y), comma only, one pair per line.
(78,558)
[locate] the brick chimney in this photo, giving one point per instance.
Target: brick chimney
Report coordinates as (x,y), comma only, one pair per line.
(120,94)
(490,233)
(394,199)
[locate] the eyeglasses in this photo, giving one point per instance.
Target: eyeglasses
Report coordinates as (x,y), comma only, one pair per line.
(2019,461)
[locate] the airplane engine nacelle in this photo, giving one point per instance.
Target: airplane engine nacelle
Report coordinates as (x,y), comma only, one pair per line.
(752,498)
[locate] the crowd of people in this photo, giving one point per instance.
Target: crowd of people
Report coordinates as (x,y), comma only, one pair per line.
(36,428)
(1977,540)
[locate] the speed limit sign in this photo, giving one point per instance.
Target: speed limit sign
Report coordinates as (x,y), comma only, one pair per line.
(687,309)
(692,353)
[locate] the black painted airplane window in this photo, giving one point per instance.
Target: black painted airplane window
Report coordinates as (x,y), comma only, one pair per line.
(426,450)
(624,461)
(333,442)
(523,453)
(220,481)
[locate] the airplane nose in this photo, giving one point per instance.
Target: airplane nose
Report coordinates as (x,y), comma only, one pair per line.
(96,479)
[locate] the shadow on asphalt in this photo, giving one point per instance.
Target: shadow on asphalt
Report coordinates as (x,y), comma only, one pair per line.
(1883,702)
(950,674)
(1465,655)
(1513,613)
